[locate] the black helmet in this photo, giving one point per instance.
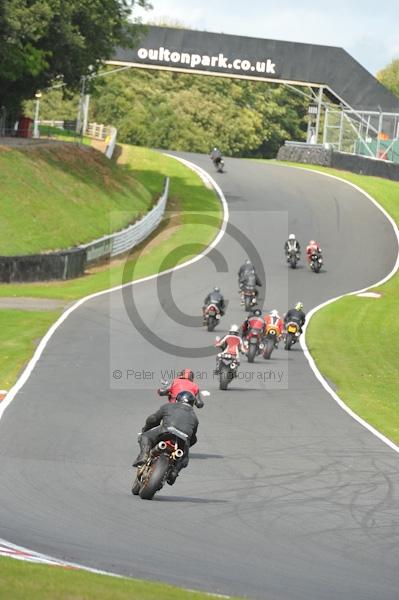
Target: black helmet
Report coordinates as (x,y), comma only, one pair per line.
(186,398)
(186,374)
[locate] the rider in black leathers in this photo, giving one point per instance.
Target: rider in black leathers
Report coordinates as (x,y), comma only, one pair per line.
(214,297)
(296,314)
(179,415)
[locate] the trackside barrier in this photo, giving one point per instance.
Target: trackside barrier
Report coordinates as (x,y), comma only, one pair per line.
(71,263)
(123,241)
(326,156)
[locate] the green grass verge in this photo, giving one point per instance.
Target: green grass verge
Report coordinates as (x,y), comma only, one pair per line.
(59,196)
(189,197)
(20,332)
(360,355)
(20,581)
(22,329)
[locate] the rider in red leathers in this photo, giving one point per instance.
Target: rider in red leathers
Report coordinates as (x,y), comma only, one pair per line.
(183,383)
(274,320)
(312,248)
(254,321)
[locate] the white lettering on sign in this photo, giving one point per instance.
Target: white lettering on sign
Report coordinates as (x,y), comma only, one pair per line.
(220,61)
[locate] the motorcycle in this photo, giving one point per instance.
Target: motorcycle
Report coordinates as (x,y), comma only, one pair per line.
(292,333)
(151,476)
(249,296)
(219,165)
(316,261)
(292,258)
(270,341)
(227,368)
(212,316)
(254,342)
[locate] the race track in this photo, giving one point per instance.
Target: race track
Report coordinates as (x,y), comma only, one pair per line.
(286,496)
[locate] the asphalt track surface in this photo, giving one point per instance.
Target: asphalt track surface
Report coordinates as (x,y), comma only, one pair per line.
(286,497)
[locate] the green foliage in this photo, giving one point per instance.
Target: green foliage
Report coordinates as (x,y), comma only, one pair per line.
(42,40)
(389,76)
(161,109)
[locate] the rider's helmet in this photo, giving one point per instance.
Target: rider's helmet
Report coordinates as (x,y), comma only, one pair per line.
(298,306)
(312,243)
(216,289)
(186,374)
(274,313)
(291,236)
(186,398)
(234,329)
(257,312)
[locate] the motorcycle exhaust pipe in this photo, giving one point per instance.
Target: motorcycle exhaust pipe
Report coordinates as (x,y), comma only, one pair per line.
(179,453)
(161,445)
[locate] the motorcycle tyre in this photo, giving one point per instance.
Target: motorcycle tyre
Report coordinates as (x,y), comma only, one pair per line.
(211,324)
(156,478)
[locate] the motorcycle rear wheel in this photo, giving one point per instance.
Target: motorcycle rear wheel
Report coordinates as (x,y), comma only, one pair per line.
(154,481)
(267,352)
(252,352)
(288,341)
(224,378)
(211,323)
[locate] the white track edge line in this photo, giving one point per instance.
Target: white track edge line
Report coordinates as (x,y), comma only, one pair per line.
(314,310)
(44,341)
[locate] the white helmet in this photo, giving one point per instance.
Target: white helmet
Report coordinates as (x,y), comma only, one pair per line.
(234,329)
(291,236)
(274,313)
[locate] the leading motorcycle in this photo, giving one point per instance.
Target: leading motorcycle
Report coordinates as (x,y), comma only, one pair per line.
(219,164)
(152,476)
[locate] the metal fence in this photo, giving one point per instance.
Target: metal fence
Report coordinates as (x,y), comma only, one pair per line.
(123,241)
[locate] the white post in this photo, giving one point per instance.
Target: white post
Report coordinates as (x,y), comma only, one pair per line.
(319,105)
(85,112)
(36,133)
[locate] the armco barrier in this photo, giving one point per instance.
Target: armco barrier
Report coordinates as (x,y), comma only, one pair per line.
(43,267)
(72,263)
(316,154)
(123,241)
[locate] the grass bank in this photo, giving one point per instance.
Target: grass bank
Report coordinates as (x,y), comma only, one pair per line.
(21,330)
(360,355)
(56,196)
(190,203)
(19,581)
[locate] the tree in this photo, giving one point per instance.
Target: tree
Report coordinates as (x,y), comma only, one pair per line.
(389,76)
(45,40)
